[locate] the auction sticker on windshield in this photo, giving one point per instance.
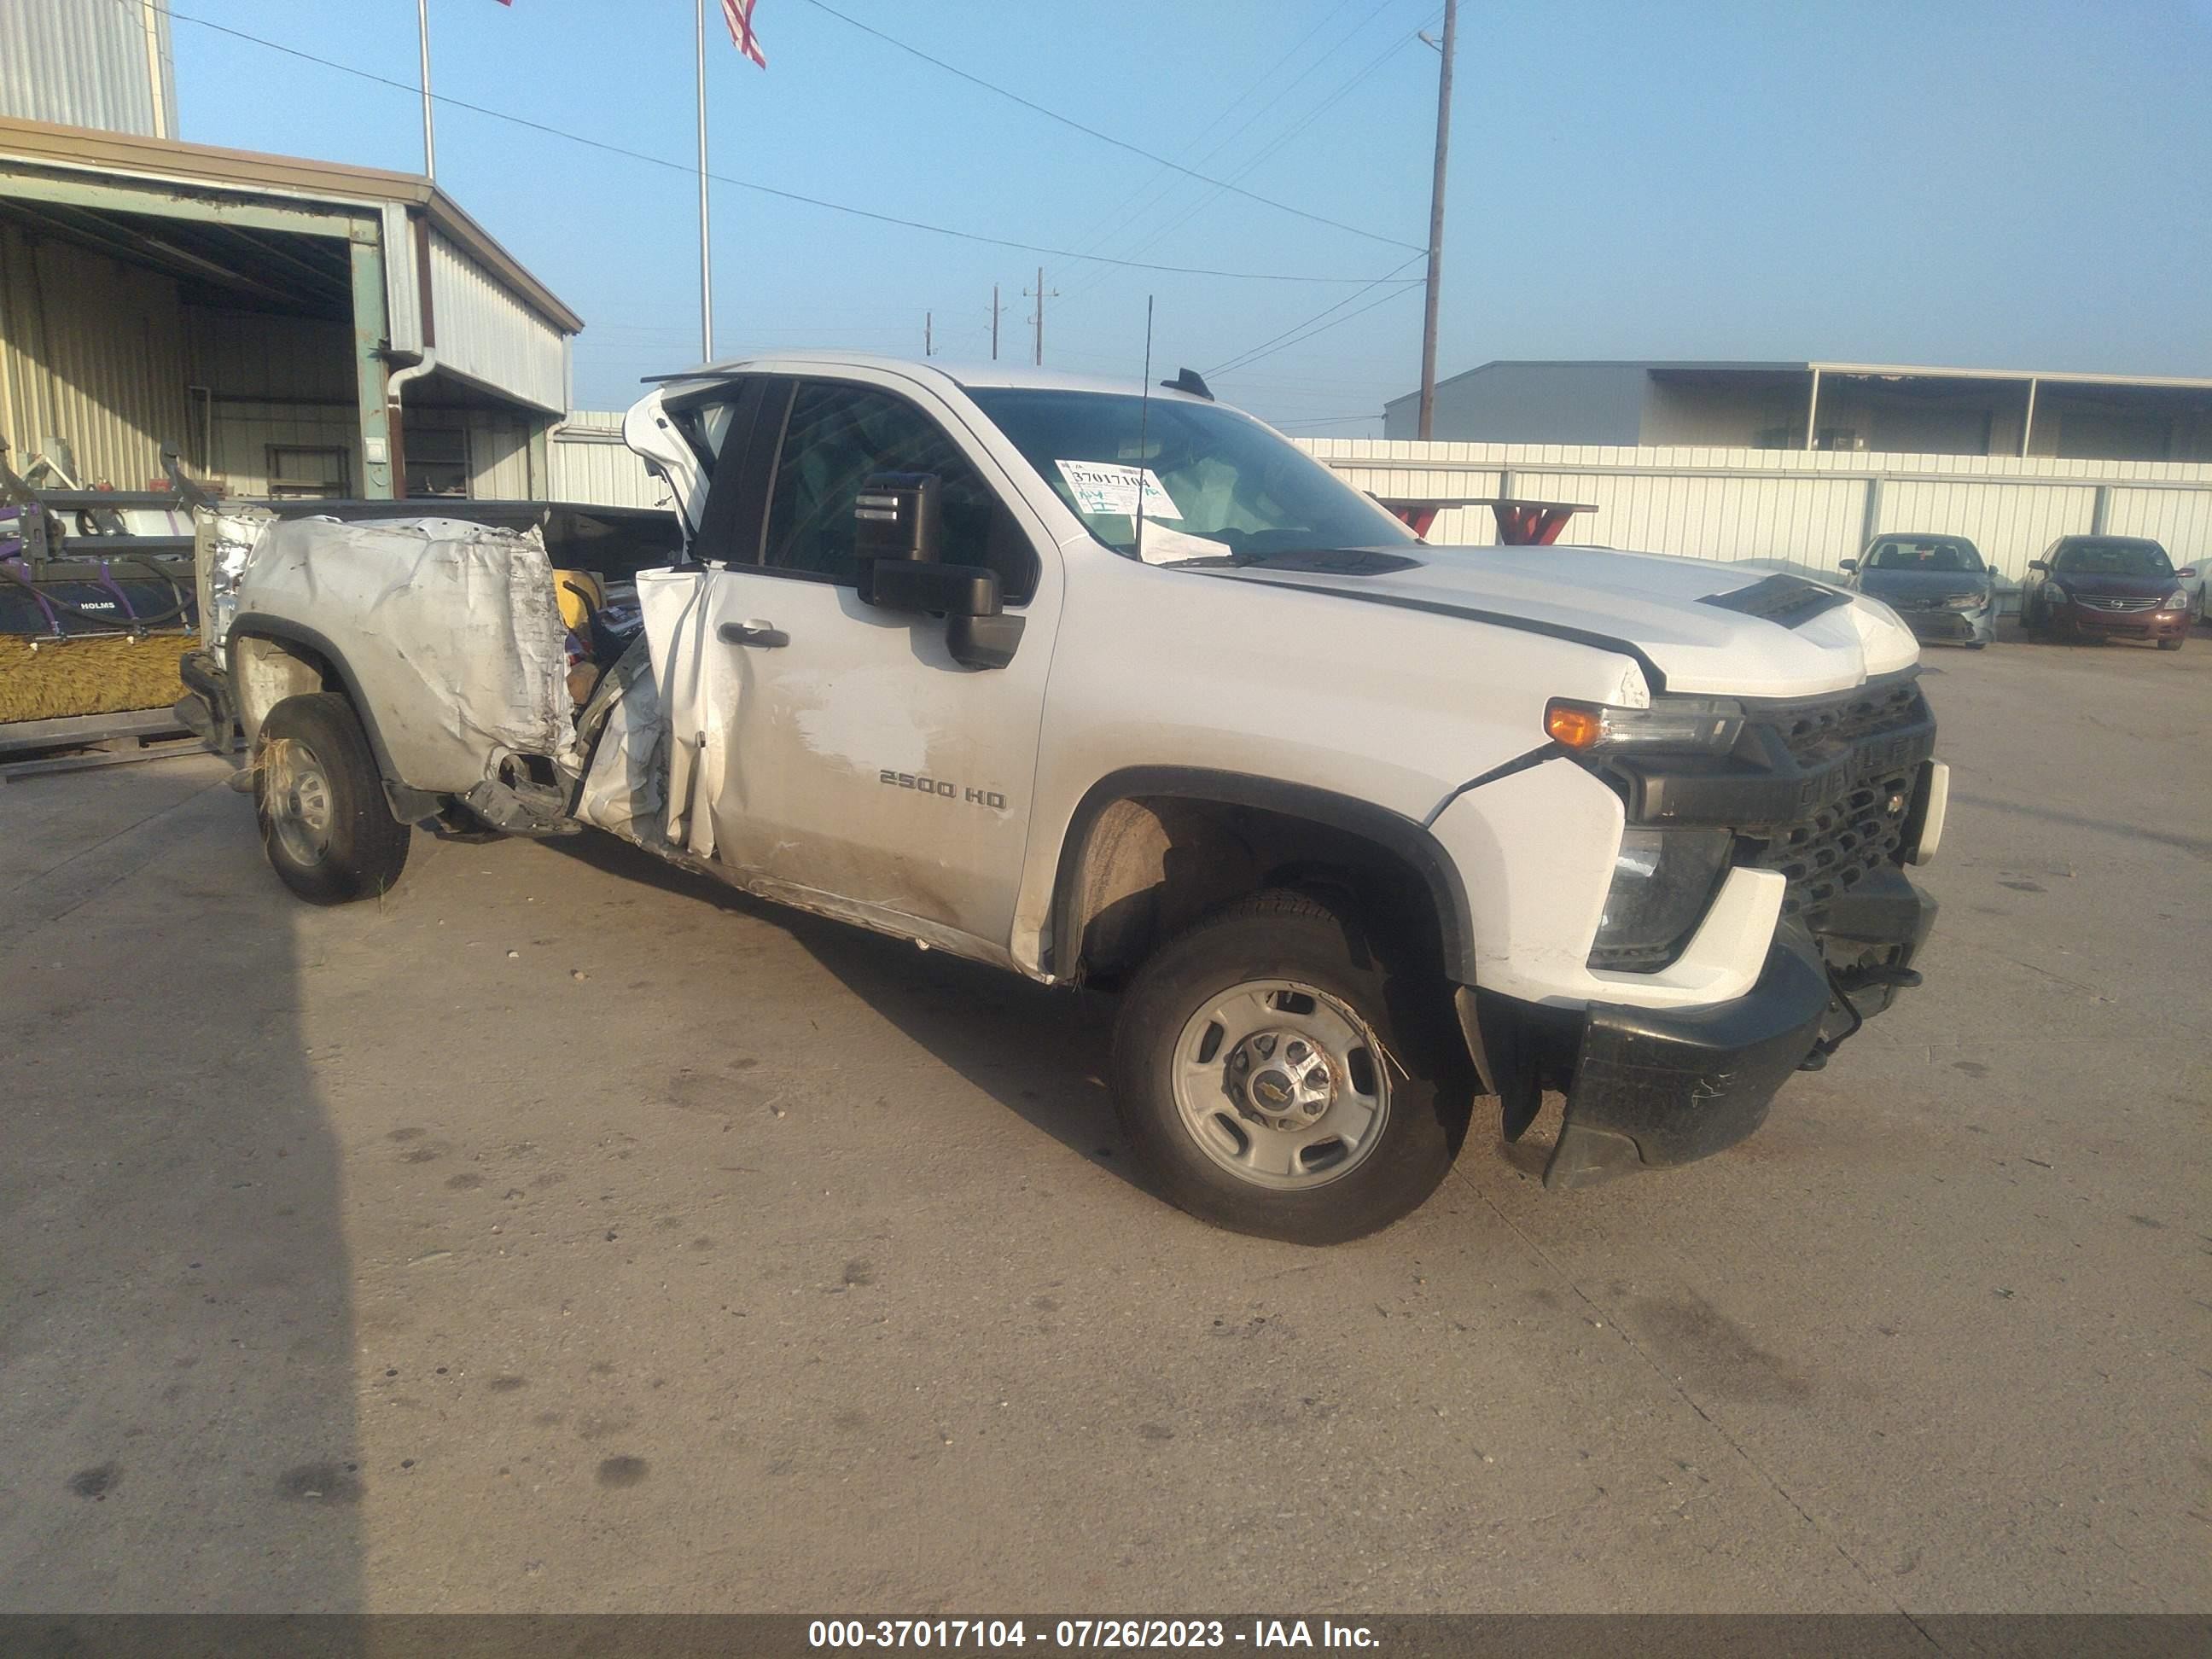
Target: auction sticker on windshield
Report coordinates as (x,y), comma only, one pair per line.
(1109,489)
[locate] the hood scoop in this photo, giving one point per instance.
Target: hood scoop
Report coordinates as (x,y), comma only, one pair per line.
(1785,601)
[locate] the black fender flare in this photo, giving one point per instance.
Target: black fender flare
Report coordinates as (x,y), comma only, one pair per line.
(1407,838)
(408,804)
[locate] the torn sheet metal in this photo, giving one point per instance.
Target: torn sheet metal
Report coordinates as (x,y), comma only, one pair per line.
(223,539)
(621,750)
(452,630)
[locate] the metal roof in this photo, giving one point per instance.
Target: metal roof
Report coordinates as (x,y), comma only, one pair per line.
(1869,371)
(116,157)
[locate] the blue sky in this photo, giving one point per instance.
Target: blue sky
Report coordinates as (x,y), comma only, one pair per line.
(2001,186)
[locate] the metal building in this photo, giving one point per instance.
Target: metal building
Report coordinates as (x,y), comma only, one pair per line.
(293,327)
(89,64)
(1881,408)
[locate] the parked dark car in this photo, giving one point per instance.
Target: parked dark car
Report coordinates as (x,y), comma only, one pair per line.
(2107,587)
(1940,587)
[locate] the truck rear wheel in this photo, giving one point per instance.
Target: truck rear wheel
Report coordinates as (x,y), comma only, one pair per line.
(1279,1077)
(316,790)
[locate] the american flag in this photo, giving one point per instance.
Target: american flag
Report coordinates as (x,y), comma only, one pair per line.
(739,14)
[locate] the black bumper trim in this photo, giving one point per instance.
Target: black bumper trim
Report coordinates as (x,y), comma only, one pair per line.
(1657,1087)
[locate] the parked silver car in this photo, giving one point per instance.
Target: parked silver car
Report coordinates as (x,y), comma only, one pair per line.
(1940,587)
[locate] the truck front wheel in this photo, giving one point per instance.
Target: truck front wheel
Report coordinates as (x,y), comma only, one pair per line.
(316,791)
(1279,1076)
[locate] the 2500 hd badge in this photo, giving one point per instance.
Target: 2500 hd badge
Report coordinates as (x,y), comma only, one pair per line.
(951,791)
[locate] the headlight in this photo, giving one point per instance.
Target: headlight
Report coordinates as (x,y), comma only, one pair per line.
(2177,601)
(2053,593)
(1662,881)
(1711,724)
(1967,601)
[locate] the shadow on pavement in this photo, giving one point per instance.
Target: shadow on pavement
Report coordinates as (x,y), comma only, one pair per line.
(177,1387)
(1040,1052)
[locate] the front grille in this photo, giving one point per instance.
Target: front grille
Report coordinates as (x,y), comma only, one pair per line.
(1860,753)
(1839,846)
(1812,728)
(2099,602)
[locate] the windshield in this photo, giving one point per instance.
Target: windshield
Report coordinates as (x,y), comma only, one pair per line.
(1217,484)
(2113,559)
(1924,553)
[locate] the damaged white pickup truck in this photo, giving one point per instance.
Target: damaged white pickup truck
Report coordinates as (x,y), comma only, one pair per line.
(1116,687)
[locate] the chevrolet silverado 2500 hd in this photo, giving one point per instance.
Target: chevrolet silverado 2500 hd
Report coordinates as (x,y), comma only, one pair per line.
(1114,686)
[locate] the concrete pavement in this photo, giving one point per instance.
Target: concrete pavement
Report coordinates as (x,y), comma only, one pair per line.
(564,1233)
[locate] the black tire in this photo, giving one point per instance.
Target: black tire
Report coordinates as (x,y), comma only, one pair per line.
(350,848)
(1286,936)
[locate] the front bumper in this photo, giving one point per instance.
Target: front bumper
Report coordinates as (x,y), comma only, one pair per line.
(2084,622)
(206,709)
(1654,1088)
(1953,627)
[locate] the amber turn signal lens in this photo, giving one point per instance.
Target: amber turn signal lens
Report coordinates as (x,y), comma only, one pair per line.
(1575,725)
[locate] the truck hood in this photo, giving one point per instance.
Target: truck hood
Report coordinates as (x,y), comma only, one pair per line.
(1657,609)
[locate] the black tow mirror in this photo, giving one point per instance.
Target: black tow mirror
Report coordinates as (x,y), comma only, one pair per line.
(2038,564)
(898,520)
(944,590)
(899,515)
(977,633)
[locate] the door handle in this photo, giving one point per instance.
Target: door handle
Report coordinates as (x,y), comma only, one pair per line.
(751,633)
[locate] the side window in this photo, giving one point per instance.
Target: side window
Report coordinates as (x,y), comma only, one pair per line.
(706,425)
(836,437)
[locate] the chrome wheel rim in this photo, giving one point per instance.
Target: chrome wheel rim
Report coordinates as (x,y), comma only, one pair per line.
(295,794)
(1281,1084)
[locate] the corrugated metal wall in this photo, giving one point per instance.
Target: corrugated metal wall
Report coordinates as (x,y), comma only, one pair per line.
(2176,520)
(485,333)
(1790,507)
(89,64)
(591,463)
(275,382)
(92,352)
(499,457)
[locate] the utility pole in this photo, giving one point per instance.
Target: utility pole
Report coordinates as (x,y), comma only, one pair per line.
(706,258)
(928,349)
(423,42)
(994,322)
(1040,296)
(1450,45)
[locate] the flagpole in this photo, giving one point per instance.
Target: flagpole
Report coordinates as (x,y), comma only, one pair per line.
(706,258)
(429,132)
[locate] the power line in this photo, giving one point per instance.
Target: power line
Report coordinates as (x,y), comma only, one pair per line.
(1157,195)
(1397,293)
(1052,114)
(1268,347)
(748,184)
(1253,165)
(1163,180)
